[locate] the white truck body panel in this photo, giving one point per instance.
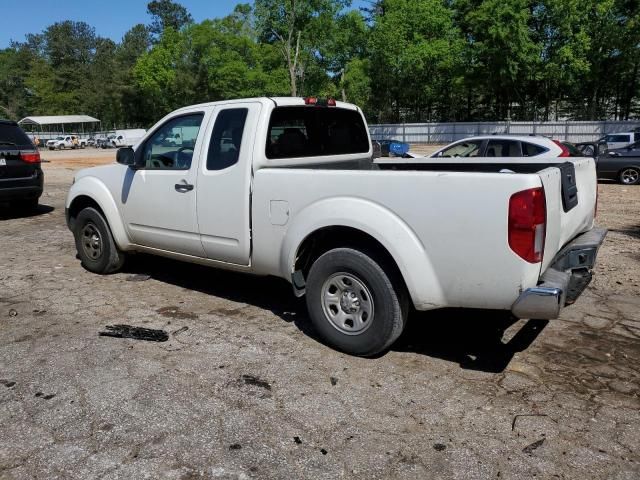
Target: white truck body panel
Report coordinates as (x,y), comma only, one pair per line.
(446,230)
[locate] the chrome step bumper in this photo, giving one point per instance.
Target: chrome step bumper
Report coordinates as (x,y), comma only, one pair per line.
(564,280)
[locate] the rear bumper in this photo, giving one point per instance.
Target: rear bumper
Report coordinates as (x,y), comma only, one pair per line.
(565,279)
(21,188)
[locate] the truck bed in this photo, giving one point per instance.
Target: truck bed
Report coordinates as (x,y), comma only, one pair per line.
(455,221)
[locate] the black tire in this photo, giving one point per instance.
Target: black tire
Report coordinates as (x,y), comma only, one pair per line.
(629,176)
(95,245)
(387,296)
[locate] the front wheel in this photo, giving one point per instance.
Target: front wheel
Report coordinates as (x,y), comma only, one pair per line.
(95,245)
(629,176)
(354,304)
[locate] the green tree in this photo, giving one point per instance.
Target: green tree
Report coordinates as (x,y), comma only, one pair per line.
(414,53)
(289,25)
(167,14)
(559,28)
(503,55)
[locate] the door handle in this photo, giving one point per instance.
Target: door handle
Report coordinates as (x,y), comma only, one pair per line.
(183,187)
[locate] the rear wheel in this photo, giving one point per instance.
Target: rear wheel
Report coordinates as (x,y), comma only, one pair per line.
(354,304)
(629,176)
(95,245)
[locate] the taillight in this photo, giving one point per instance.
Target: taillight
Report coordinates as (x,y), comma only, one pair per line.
(30,157)
(527,224)
(320,102)
(565,150)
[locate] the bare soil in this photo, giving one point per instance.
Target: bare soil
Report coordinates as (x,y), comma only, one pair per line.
(243,388)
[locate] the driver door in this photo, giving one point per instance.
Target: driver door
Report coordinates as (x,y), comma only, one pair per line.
(159,200)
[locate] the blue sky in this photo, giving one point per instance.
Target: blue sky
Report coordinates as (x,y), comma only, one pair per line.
(110,18)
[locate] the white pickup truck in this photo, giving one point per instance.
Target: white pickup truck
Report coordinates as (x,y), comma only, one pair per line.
(291,187)
(69,141)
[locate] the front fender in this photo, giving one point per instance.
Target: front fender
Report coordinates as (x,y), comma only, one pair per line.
(380,223)
(96,190)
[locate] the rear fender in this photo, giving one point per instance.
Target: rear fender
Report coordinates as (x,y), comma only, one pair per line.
(380,223)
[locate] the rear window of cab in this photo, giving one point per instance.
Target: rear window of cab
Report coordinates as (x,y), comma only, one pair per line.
(311,131)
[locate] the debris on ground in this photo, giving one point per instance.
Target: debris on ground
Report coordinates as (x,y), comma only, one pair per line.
(180,330)
(136,333)
(529,449)
(138,277)
(251,380)
(46,397)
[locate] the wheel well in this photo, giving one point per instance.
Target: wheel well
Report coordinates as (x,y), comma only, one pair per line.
(328,238)
(79,203)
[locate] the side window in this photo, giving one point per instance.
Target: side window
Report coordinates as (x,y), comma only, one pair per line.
(503,148)
(315,131)
(463,149)
(618,138)
(171,146)
(531,150)
(226,138)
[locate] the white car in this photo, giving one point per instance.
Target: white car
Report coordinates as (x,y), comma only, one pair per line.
(620,140)
(504,146)
(298,195)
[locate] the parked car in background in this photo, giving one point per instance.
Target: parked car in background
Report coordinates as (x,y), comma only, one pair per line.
(619,164)
(504,146)
(128,137)
(591,149)
(631,150)
(108,142)
(620,140)
(300,196)
(21,177)
(68,141)
(60,143)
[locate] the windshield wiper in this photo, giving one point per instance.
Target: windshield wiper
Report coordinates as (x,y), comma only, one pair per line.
(2,142)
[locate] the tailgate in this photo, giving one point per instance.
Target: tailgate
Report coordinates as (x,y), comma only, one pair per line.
(570,192)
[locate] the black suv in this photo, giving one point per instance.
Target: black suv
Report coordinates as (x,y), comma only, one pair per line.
(21,177)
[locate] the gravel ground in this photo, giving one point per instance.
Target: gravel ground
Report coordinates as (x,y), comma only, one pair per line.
(243,389)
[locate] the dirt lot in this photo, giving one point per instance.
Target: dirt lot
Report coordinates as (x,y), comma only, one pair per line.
(243,389)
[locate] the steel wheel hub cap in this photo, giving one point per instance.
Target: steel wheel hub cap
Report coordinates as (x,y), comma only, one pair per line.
(347,303)
(91,241)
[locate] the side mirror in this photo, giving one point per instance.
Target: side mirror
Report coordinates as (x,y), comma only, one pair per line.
(126,156)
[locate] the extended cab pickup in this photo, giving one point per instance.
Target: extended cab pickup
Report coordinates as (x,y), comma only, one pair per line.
(290,187)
